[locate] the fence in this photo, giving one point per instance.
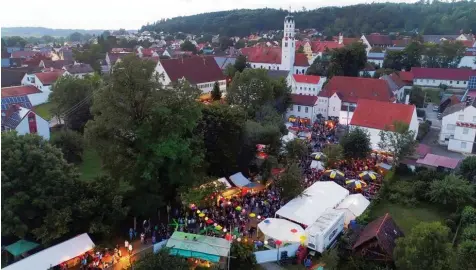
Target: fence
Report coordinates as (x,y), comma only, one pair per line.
(273,255)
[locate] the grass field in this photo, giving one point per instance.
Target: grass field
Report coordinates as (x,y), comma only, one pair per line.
(43,110)
(91,165)
(432,94)
(408,217)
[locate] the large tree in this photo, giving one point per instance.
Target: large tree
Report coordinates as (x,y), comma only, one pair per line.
(240,63)
(451,53)
(250,89)
(417,97)
(465,255)
(356,144)
(242,256)
(333,153)
(398,140)
(413,53)
(468,168)
(451,191)
(319,66)
(295,150)
(223,130)
(347,61)
(290,182)
(71,144)
(394,60)
(426,247)
(71,99)
(188,46)
(145,134)
(216,94)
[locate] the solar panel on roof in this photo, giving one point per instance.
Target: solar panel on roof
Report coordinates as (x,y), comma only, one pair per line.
(472,82)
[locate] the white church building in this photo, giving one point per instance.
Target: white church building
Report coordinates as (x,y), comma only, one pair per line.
(275,58)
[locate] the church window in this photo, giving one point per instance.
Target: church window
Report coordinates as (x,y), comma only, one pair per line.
(285,44)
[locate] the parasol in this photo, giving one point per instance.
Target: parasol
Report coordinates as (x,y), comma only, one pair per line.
(355,183)
(318,155)
(368,175)
(334,174)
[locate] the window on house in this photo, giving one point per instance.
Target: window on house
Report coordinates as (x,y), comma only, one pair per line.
(464,82)
(299,108)
(450,127)
(463,145)
(285,44)
(277,68)
(291,109)
(300,88)
(465,131)
(427,80)
(433,81)
(457,82)
(334,109)
(461,117)
(451,82)
(474,118)
(306,109)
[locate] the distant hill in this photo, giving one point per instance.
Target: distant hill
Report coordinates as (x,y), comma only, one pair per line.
(435,18)
(42,31)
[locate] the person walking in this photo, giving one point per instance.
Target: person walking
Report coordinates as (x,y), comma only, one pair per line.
(130,249)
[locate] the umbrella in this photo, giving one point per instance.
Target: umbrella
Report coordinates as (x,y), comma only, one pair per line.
(238,208)
(334,174)
(201,215)
(218,227)
(252,215)
(368,175)
(317,155)
(209,221)
(356,184)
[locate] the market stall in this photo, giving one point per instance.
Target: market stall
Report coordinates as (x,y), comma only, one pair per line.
(280,229)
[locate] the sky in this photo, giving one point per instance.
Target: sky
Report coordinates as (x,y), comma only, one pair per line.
(131,15)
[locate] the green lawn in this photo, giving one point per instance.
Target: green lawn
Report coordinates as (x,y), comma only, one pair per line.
(43,110)
(91,165)
(432,94)
(408,217)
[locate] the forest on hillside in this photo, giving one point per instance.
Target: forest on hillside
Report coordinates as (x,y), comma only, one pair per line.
(424,18)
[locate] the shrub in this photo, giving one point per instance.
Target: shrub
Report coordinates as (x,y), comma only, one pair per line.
(71,144)
(468,215)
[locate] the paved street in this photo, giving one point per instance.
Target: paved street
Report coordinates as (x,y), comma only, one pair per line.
(432,116)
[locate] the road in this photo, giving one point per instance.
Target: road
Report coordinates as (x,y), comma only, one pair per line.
(432,116)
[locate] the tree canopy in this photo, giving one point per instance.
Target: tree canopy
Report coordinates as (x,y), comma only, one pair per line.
(161,261)
(452,191)
(356,144)
(398,140)
(435,18)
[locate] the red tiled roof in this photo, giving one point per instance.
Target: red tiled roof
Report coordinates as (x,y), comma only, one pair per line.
(306,78)
(397,80)
(23,54)
(154,59)
(406,76)
(456,74)
(467,43)
(47,78)
(271,55)
(23,90)
(379,40)
(303,100)
(439,161)
(351,89)
(194,69)
(381,115)
(348,41)
(384,230)
(470,53)
(321,46)
(401,42)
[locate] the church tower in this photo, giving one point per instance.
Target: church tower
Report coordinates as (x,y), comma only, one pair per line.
(288,46)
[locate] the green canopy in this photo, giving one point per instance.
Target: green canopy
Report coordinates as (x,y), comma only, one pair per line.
(20,247)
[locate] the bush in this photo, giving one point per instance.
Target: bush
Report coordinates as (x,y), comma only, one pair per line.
(469,233)
(468,215)
(423,129)
(71,144)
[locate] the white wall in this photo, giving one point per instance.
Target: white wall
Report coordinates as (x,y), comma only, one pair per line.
(376,61)
(436,83)
(345,117)
(364,40)
(42,125)
(272,254)
(299,70)
(163,77)
(467,61)
(322,106)
(39,98)
(208,86)
(267,66)
(335,105)
(308,89)
(300,111)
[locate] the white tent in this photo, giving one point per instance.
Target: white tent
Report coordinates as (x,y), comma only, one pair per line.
(239,180)
(316,200)
(225,182)
(288,138)
(317,165)
(55,255)
(281,229)
(353,206)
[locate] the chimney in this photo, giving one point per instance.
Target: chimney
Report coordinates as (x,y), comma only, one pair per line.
(341,38)
(407,99)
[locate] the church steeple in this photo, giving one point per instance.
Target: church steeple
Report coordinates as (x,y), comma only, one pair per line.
(288,46)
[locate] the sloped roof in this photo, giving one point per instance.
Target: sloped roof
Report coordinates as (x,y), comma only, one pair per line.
(439,161)
(14,115)
(376,55)
(277,74)
(271,55)
(23,54)
(456,74)
(348,41)
(222,62)
(58,64)
(113,57)
(300,60)
(351,89)
(394,81)
(79,68)
(13,76)
(299,78)
(304,100)
(381,115)
(384,230)
(194,69)
(16,91)
(322,46)
(47,78)
(406,76)
(378,40)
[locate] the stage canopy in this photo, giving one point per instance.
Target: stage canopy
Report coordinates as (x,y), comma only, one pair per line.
(55,255)
(239,180)
(20,247)
(316,200)
(353,206)
(198,246)
(281,229)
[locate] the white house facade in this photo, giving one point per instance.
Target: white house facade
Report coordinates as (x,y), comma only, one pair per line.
(25,121)
(434,77)
(458,128)
(306,84)
(304,107)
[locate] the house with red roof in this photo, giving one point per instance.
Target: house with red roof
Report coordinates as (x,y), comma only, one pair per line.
(306,84)
(376,40)
(396,85)
(340,96)
(378,239)
(303,107)
(313,49)
(375,116)
(24,121)
(434,77)
(43,82)
(275,58)
(201,71)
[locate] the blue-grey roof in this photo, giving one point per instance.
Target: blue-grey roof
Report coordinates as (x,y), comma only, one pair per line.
(394,48)
(239,180)
(222,62)
(277,74)
(374,55)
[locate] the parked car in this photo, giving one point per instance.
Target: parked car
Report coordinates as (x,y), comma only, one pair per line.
(439,116)
(436,108)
